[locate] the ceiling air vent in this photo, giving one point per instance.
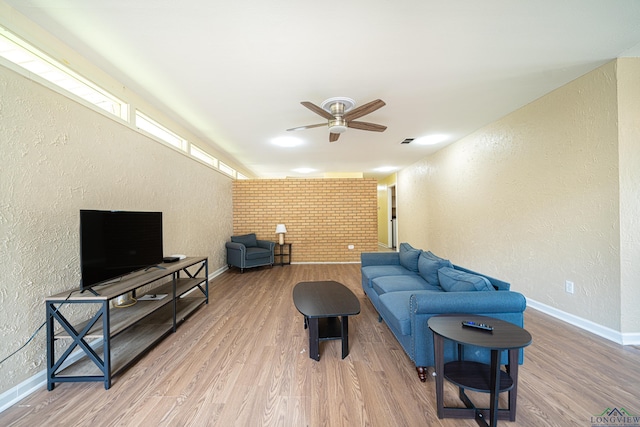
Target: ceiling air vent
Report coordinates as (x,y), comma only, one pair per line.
(407,140)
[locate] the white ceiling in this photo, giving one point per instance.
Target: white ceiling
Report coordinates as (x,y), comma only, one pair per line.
(234,72)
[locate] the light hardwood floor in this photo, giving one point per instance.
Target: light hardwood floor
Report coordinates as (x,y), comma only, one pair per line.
(243,360)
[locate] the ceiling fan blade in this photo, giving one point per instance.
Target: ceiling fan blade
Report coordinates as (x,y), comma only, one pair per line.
(308,127)
(313,107)
(333,137)
(366,126)
(365,109)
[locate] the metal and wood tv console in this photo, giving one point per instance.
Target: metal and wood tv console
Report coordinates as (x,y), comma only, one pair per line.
(115,337)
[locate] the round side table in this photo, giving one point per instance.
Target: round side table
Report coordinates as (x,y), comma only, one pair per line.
(487,378)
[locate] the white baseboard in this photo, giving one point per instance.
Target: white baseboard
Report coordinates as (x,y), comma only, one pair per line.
(31,385)
(328,262)
(631,339)
(213,275)
(22,390)
(587,325)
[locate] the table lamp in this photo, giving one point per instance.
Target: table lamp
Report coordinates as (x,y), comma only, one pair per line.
(280,230)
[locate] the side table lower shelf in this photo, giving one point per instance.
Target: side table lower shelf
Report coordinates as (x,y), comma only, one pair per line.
(474,376)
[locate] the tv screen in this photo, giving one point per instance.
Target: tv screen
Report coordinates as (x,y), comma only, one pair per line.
(116,243)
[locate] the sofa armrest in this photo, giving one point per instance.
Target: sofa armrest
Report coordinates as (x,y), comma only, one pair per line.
(505,305)
(236,246)
(379,258)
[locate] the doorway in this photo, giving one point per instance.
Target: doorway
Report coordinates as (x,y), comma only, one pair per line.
(393,220)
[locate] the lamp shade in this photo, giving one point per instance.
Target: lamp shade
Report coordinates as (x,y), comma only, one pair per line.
(280,228)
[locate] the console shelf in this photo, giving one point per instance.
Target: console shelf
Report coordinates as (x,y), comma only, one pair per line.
(114,338)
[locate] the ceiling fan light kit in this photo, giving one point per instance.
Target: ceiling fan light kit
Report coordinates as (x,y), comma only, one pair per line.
(340,113)
(338,125)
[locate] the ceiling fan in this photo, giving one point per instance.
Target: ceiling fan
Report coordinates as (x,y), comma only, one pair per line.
(341,115)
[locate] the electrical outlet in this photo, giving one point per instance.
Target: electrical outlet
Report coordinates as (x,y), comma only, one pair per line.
(350,247)
(568,286)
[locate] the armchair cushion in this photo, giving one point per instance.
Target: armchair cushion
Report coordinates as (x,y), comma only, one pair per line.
(257,253)
(249,240)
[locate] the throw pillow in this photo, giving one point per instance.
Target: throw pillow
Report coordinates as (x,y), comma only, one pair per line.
(459,281)
(434,256)
(249,240)
(428,266)
(409,257)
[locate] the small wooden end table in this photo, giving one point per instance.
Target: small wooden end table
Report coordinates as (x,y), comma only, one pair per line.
(282,254)
(474,375)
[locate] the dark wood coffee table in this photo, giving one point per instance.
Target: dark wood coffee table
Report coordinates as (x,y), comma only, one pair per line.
(478,376)
(326,307)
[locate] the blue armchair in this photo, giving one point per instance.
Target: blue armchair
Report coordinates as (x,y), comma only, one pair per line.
(247,251)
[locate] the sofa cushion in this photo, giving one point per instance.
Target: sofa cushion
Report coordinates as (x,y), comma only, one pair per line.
(409,257)
(452,280)
(249,240)
(257,253)
(406,282)
(371,272)
(394,307)
(428,266)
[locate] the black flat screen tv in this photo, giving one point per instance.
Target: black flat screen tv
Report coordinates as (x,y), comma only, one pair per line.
(116,243)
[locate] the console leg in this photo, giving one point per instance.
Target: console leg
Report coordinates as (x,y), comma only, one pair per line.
(422,373)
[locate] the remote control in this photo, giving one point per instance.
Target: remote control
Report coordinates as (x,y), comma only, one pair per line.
(481,326)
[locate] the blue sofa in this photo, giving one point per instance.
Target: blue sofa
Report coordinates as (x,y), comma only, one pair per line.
(410,286)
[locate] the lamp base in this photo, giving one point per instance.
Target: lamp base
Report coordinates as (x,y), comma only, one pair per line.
(281,238)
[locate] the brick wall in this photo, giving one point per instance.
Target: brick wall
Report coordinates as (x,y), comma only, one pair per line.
(322,216)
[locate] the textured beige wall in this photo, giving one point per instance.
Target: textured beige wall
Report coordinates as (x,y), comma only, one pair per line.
(532,199)
(58,157)
(323,216)
(629,148)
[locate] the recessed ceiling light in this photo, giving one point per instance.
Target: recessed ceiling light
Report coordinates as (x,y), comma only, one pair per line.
(287,141)
(304,170)
(385,169)
(431,139)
